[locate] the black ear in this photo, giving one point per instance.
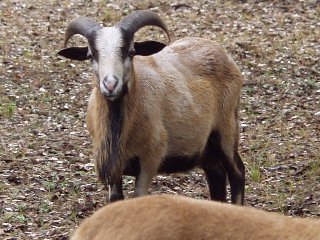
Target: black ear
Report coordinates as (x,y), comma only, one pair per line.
(75,53)
(148,47)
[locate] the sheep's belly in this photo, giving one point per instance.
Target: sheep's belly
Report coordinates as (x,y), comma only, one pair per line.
(179,163)
(169,165)
(184,153)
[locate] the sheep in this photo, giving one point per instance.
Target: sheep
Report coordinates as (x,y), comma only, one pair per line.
(160,109)
(181,218)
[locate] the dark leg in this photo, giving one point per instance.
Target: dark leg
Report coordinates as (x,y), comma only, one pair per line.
(237,180)
(236,174)
(221,163)
(217,181)
(115,191)
(214,168)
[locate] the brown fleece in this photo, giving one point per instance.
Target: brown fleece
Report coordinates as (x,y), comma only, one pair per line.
(175,100)
(168,217)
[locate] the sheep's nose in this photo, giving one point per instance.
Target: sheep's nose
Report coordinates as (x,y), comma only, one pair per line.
(110,83)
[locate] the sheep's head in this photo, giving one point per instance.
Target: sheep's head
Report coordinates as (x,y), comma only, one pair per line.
(111,49)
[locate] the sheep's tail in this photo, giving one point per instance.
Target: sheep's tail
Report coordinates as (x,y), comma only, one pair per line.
(108,156)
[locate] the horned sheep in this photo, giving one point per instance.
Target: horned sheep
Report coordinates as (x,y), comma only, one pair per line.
(160,109)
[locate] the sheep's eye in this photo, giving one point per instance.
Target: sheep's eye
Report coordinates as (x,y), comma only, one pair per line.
(91,58)
(131,54)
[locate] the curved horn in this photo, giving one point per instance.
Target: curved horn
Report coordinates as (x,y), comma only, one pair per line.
(141,18)
(81,25)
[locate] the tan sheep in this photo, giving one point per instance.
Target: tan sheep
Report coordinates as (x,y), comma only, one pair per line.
(168,217)
(170,111)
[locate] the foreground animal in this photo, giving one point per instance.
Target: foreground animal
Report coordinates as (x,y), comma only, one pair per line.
(181,218)
(157,108)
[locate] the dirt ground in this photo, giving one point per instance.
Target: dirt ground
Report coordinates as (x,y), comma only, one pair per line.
(47,179)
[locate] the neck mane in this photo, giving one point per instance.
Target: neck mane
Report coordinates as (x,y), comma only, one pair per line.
(116,118)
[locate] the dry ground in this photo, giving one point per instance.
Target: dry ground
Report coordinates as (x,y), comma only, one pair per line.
(47,181)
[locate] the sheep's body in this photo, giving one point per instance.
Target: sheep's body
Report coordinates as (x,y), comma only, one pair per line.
(180,111)
(171,110)
(180,218)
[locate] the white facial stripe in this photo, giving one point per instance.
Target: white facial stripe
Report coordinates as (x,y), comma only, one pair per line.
(108,44)
(112,71)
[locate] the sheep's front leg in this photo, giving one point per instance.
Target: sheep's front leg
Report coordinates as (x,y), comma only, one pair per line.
(143,180)
(151,158)
(115,191)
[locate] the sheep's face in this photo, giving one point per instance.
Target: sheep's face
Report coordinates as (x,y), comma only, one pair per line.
(111,54)
(111,50)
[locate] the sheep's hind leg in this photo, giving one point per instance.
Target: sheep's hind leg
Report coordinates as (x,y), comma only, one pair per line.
(237,180)
(217,181)
(214,169)
(220,161)
(233,165)
(115,191)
